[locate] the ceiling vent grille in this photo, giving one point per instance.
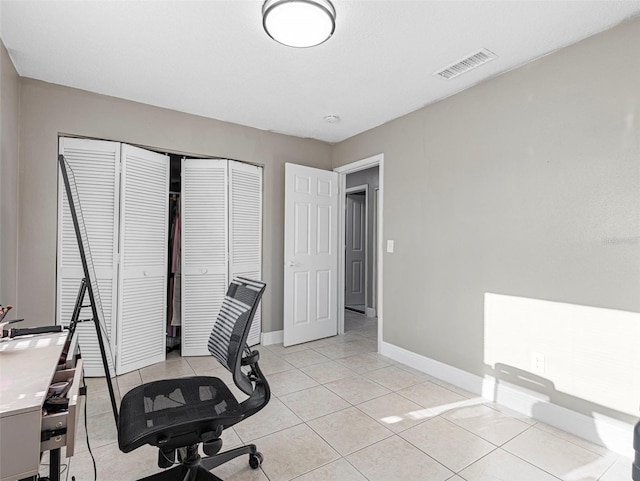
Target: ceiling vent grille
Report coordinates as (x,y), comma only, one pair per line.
(465,64)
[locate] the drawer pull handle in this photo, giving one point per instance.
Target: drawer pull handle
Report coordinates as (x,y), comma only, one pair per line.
(55,434)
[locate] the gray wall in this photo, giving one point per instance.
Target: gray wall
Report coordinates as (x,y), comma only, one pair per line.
(526,185)
(369,177)
(47,110)
(9,118)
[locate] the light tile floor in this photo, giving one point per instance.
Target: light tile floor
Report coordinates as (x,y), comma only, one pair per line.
(341,412)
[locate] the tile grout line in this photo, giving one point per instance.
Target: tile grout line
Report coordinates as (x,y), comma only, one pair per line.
(524,460)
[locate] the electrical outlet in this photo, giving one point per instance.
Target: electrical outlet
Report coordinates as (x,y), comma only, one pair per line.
(537,362)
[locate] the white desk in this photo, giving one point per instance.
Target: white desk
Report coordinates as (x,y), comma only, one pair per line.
(27,368)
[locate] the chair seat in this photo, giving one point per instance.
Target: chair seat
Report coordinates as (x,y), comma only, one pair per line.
(175,412)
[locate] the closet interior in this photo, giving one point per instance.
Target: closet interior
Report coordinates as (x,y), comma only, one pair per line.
(173,266)
(167,233)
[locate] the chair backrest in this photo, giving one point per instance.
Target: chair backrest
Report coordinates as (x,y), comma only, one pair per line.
(228,339)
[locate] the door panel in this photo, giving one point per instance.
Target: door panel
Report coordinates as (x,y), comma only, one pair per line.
(204,270)
(311,256)
(301,298)
(96,169)
(144,225)
(245,230)
(323,296)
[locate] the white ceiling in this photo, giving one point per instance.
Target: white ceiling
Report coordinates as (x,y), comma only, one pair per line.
(212,58)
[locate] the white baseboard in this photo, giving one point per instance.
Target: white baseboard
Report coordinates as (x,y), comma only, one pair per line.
(369,312)
(273,337)
(453,375)
(611,433)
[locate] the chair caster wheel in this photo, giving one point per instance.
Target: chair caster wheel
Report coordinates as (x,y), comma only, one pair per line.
(255,460)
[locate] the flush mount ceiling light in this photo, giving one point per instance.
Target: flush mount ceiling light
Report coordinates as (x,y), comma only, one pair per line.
(299,23)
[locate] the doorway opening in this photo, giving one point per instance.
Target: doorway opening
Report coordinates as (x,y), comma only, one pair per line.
(360,263)
(357,245)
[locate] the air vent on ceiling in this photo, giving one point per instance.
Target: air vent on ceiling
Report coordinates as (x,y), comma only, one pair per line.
(465,64)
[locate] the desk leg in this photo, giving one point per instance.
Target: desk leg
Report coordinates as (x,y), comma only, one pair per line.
(54,464)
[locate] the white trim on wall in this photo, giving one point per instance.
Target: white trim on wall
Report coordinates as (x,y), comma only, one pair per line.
(374,251)
(273,337)
(611,433)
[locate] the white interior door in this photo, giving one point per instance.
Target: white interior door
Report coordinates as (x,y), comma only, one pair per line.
(95,165)
(142,286)
(310,254)
(355,250)
(204,241)
(245,230)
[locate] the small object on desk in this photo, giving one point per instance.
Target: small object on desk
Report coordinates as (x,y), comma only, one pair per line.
(4,310)
(3,313)
(58,387)
(56,404)
(25,331)
(7,332)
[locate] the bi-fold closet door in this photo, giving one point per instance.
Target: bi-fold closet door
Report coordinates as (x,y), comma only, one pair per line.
(221,216)
(123,195)
(96,169)
(142,280)
(123,192)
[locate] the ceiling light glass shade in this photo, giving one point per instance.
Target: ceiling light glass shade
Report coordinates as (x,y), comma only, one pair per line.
(299,23)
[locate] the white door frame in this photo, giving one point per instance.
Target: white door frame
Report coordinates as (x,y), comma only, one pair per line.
(354,190)
(343,171)
(374,251)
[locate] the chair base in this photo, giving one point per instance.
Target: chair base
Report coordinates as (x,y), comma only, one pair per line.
(183,473)
(198,468)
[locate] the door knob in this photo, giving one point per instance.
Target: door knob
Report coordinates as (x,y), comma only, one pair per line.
(293,264)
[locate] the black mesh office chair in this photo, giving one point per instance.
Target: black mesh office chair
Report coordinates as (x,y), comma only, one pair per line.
(176,415)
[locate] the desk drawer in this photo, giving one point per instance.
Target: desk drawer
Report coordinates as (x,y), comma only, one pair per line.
(60,428)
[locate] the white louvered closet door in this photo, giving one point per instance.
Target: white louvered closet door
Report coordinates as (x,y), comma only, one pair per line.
(245,230)
(95,166)
(142,286)
(203,250)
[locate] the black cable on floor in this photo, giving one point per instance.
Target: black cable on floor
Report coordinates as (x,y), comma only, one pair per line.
(86,432)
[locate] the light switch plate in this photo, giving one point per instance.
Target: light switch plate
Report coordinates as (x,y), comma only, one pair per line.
(390,246)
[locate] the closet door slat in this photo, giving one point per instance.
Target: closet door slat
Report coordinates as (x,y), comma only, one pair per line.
(144,226)
(95,166)
(245,230)
(204,245)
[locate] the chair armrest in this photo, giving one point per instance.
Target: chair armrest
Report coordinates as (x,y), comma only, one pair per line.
(250,359)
